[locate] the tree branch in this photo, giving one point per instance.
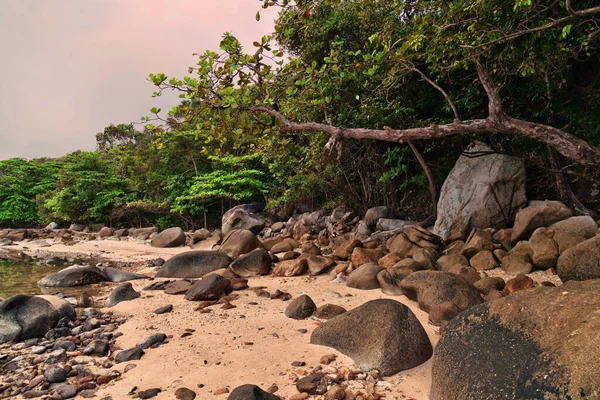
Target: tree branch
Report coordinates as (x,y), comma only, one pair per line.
(432,186)
(492,91)
(568,145)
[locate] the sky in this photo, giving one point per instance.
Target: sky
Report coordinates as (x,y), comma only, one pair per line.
(68,68)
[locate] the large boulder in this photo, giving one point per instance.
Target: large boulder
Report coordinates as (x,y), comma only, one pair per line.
(580,262)
(144,233)
(25,317)
(540,343)
(381,334)
(431,288)
(243,217)
(63,307)
(581,226)
(483,190)
(257,262)
(238,242)
(539,214)
(193,264)
(76,275)
(172,237)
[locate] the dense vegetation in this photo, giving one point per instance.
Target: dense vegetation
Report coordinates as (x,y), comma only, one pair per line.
(253,126)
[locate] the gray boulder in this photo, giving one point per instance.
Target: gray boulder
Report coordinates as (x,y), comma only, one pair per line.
(123,292)
(257,262)
(540,343)
(381,334)
(238,242)
(193,264)
(243,217)
(483,190)
(172,237)
(25,317)
(76,275)
(63,307)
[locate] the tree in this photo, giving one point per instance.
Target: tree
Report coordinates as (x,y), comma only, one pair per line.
(497,40)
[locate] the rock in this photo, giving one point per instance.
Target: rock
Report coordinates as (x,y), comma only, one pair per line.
(517,347)
(345,250)
(185,394)
(193,264)
(580,262)
(319,264)
(51,226)
(374,214)
(364,277)
(387,224)
(105,232)
(152,340)
(584,226)
(277,227)
(448,261)
(328,311)
(544,248)
(5,242)
(55,374)
(484,260)
(117,275)
(144,233)
(389,260)
(257,262)
(97,348)
(63,307)
(289,268)
(281,247)
(538,215)
(250,392)
(77,227)
(380,334)
(361,255)
(411,239)
(238,242)
(519,282)
(518,259)
(25,317)
(164,309)
(65,391)
(135,353)
(301,307)
(425,257)
(200,234)
(172,237)
(243,217)
(389,279)
(469,274)
(483,190)
(443,312)
(178,287)
(488,284)
(121,233)
(123,292)
(148,393)
(76,275)
(211,287)
(478,241)
(430,288)
(567,240)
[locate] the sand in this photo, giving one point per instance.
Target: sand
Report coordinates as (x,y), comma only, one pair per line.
(252,343)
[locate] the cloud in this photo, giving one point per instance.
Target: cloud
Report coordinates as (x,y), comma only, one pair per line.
(72,67)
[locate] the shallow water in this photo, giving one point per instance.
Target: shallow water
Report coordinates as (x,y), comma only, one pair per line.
(22,278)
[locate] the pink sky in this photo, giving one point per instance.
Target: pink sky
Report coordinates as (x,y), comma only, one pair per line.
(71,67)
